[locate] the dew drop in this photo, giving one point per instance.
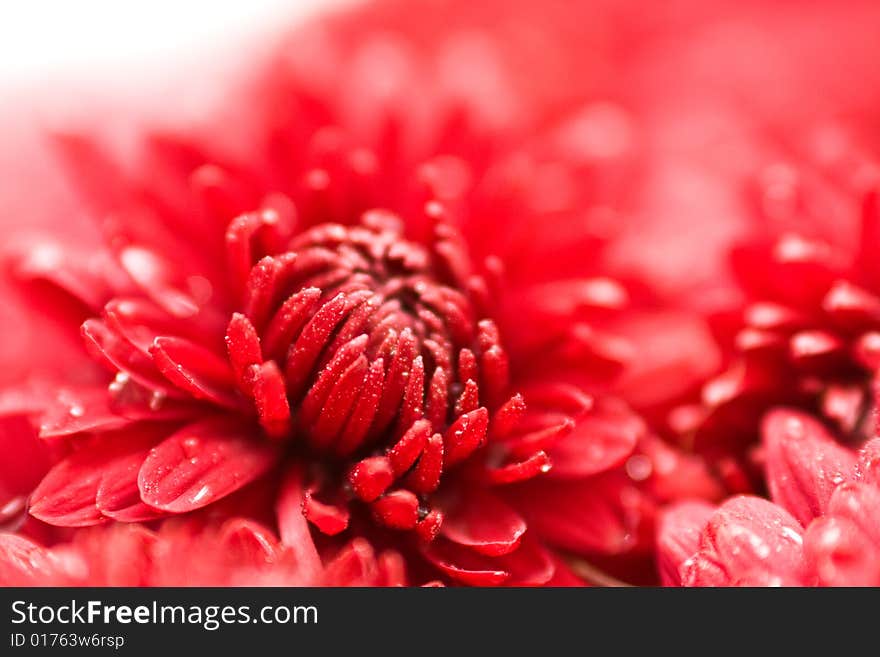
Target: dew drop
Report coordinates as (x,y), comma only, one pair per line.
(157,400)
(639,467)
(191,446)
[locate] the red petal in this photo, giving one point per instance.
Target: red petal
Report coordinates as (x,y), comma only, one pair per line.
(304,352)
(425,477)
(512,473)
(243,346)
(605,513)
(405,452)
(122,356)
(506,418)
(395,381)
(118,496)
(288,322)
(397,510)
(140,321)
(201,463)
(674,352)
(361,417)
(804,464)
(261,289)
(336,409)
(484,523)
(371,477)
(529,565)
(242,236)
(329,518)
(328,378)
(196,370)
(270,396)
(392,569)
(465,566)
(599,441)
(66,496)
(79,410)
(465,435)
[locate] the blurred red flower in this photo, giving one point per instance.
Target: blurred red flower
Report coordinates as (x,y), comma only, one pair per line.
(821,528)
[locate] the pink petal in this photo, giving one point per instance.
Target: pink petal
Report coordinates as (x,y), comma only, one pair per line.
(156,276)
(841,554)
(859,502)
(678,538)
(292,523)
(804,464)
(869,462)
(750,534)
(83,277)
(202,463)
(24,563)
(248,544)
(355,565)
(484,523)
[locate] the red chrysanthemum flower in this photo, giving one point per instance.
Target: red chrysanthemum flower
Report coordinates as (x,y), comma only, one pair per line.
(810,339)
(385,319)
(808,334)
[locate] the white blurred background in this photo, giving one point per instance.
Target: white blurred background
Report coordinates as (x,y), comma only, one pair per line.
(42,41)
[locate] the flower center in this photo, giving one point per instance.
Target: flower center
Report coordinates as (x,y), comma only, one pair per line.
(364,346)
